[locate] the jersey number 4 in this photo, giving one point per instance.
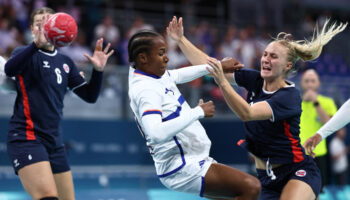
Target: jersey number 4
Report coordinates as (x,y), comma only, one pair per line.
(58,75)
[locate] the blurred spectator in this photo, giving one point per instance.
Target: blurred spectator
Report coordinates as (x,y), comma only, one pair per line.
(308,25)
(77,50)
(8,35)
(316,111)
(108,30)
(339,151)
(245,47)
(226,46)
(138,25)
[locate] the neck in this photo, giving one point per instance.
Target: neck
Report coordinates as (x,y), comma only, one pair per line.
(48,47)
(274,85)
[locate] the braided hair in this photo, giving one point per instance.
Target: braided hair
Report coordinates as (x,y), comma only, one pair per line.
(140,42)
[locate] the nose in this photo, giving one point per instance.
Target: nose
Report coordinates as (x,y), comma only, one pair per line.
(166,59)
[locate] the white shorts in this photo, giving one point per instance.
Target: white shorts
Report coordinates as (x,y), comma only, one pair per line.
(190,178)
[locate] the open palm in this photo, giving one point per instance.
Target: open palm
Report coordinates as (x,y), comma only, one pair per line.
(175,29)
(99,58)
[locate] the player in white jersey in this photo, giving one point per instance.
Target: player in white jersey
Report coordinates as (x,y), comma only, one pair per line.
(177,141)
(6,83)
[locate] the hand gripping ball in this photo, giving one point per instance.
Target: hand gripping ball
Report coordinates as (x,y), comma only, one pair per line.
(60,29)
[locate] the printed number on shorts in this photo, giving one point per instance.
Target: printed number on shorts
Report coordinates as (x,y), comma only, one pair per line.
(58,75)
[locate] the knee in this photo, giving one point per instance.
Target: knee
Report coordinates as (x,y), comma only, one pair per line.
(254,187)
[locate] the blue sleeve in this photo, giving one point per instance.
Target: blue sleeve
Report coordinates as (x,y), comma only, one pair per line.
(89,92)
(16,64)
(248,78)
(285,103)
(74,79)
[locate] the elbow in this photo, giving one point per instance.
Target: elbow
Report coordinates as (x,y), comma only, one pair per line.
(156,139)
(7,71)
(246,117)
(91,100)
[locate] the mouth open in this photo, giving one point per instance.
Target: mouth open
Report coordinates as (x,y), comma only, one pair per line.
(266,68)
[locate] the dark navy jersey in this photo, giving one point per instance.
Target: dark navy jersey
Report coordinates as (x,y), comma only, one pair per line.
(42,81)
(276,139)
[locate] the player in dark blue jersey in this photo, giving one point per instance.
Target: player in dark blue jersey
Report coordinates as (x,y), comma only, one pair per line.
(271,112)
(43,77)
(272,115)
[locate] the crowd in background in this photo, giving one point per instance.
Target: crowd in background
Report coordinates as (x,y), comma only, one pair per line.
(242,42)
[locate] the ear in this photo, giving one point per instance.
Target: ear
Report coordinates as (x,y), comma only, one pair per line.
(289,66)
(142,57)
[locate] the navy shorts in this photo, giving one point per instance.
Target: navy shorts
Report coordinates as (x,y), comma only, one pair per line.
(306,171)
(23,153)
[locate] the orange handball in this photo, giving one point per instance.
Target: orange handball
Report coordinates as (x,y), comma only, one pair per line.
(60,29)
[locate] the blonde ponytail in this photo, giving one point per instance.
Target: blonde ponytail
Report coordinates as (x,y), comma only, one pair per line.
(309,50)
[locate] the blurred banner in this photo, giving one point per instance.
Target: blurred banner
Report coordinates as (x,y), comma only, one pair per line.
(97,142)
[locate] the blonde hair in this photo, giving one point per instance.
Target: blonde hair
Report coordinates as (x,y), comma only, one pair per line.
(309,50)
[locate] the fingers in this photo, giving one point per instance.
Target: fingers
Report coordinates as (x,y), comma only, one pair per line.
(107,48)
(200,102)
(99,43)
(82,74)
(110,53)
(88,57)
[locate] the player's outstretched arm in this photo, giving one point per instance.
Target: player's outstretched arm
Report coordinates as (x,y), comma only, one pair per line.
(258,111)
(175,31)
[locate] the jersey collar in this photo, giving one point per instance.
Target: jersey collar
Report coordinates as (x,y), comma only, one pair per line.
(47,52)
(289,84)
(146,74)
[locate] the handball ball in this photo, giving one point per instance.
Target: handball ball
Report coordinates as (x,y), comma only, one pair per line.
(60,29)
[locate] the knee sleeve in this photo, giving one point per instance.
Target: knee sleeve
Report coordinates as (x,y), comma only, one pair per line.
(49,198)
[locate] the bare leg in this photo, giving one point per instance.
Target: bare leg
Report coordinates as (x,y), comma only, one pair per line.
(297,190)
(37,179)
(65,186)
(225,182)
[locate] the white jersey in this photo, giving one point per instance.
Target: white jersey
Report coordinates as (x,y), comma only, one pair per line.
(170,126)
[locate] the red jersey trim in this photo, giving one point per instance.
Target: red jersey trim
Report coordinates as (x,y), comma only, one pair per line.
(297,151)
(30,126)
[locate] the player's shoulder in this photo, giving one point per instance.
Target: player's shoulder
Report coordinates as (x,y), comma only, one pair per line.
(289,93)
(18,49)
(140,85)
(64,57)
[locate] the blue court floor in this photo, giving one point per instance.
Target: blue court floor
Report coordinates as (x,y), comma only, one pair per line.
(124,184)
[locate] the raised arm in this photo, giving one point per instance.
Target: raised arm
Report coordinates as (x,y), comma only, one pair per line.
(176,31)
(195,56)
(90,91)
